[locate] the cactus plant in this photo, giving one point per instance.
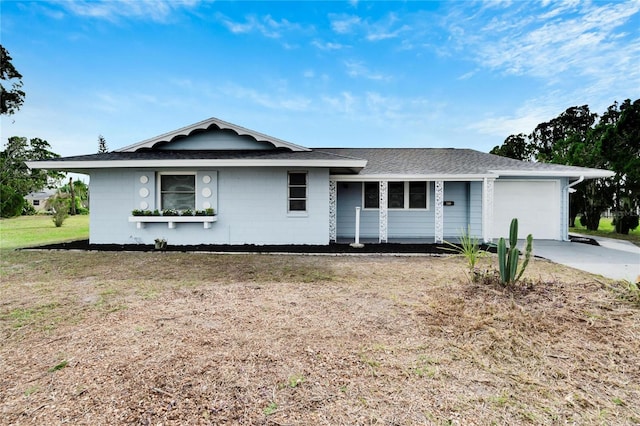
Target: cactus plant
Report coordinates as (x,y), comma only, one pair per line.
(508,257)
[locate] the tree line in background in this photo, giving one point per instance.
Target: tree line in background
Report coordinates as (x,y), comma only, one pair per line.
(579,137)
(16,179)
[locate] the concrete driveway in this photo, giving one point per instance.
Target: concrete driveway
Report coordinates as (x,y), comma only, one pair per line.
(616,259)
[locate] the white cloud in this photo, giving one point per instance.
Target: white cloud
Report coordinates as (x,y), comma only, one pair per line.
(155,10)
(327,45)
(279,99)
(344,24)
(357,69)
(266,25)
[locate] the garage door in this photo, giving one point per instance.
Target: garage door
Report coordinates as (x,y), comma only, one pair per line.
(536,204)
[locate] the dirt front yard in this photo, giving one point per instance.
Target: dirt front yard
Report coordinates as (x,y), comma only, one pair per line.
(178,338)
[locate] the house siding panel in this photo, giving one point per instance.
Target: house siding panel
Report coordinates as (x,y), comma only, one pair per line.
(251,209)
(407,223)
(475,209)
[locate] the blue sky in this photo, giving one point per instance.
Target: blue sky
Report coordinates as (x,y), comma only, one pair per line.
(356,74)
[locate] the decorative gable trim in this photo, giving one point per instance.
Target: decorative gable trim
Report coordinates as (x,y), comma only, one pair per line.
(208,125)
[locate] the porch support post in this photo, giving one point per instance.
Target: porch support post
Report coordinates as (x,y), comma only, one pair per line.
(333,201)
(382,208)
(487,209)
(439,213)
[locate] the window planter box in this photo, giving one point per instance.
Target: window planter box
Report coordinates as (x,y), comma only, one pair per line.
(171,221)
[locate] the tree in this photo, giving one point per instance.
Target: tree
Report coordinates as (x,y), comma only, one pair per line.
(10,99)
(574,138)
(102,145)
(16,179)
(515,146)
(621,146)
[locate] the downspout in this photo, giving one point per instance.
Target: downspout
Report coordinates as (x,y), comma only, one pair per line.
(569,191)
(572,184)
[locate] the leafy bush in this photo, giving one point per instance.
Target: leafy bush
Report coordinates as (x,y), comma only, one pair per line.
(60,207)
(11,202)
(28,209)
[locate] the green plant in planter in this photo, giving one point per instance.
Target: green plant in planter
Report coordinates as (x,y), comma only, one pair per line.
(170,212)
(156,212)
(508,257)
(187,212)
(140,212)
(200,213)
(210,212)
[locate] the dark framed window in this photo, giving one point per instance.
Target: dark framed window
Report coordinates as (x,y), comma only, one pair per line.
(297,187)
(395,195)
(417,195)
(400,195)
(371,195)
(178,191)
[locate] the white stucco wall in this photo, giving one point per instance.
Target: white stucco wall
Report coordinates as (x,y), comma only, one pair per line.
(251,207)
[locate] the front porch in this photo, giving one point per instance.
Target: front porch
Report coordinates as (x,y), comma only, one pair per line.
(445,210)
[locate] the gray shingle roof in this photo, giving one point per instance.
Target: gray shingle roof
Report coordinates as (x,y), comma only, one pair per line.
(443,161)
(401,162)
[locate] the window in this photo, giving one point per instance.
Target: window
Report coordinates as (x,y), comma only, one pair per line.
(178,191)
(297,187)
(417,195)
(395,195)
(36,202)
(400,195)
(371,195)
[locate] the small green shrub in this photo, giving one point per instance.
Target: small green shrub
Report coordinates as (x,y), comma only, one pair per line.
(469,248)
(60,207)
(28,209)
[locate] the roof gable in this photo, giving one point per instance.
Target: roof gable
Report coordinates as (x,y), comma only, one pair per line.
(211,126)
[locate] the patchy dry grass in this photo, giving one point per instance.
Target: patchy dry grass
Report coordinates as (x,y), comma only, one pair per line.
(175,338)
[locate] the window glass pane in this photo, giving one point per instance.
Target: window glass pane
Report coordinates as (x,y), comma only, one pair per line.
(178,201)
(298,192)
(371,195)
(297,205)
(417,195)
(396,195)
(178,192)
(297,178)
(178,183)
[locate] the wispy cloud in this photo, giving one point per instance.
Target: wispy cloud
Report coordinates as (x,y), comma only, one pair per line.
(271,100)
(578,38)
(357,69)
(344,24)
(265,25)
(154,10)
(388,27)
(328,46)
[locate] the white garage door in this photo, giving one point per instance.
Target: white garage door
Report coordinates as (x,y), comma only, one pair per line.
(535,203)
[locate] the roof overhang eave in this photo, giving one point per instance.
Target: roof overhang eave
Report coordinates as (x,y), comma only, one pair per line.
(587,173)
(194,163)
(411,177)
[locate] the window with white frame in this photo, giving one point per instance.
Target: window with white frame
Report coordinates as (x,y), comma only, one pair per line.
(177,191)
(400,195)
(297,191)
